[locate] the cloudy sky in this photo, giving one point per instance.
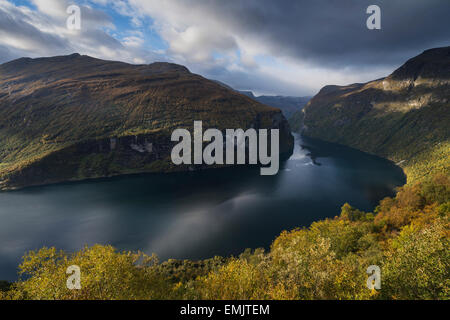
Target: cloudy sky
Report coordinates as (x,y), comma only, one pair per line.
(287,47)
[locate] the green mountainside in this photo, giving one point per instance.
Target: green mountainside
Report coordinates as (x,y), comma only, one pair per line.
(404,117)
(76,117)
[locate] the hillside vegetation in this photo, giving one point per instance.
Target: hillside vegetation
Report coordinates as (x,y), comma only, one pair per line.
(76,117)
(404,117)
(407,237)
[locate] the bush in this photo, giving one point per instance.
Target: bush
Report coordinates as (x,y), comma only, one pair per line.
(418,263)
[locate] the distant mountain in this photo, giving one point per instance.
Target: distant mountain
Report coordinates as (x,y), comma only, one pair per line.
(288,105)
(248,94)
(76,117)
(404,117)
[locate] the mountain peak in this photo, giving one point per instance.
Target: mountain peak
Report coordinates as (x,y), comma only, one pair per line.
(431,64)
(403,117)
(167,67)
(76,66)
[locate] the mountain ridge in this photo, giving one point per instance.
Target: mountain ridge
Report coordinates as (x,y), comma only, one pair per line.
(289,105)
(403,117)
(76,117)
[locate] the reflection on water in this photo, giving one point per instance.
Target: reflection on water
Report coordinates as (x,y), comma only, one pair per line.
(193,215)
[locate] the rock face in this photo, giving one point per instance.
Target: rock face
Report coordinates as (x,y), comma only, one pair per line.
(403,117)
(76,117)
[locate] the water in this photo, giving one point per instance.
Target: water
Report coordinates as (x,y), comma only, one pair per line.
(193,215)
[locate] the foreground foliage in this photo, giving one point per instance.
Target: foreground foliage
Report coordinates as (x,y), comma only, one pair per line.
(407,236)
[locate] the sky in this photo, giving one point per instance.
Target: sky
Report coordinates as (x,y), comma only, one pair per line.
(283,47)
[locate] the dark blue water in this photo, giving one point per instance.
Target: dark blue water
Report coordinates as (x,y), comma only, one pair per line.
(193,215)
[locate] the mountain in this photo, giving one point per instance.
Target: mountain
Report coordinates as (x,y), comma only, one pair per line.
(404,117)
(76,117)
(288,105)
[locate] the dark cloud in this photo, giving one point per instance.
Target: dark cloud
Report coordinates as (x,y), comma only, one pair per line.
(297,46)
(334,32)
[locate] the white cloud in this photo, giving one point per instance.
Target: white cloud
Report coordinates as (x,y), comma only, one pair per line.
(43,32)
(133,41)
(52,8)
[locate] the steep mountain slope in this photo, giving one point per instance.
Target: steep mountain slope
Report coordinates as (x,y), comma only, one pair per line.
(288,105)
(76,117)
(404,117)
